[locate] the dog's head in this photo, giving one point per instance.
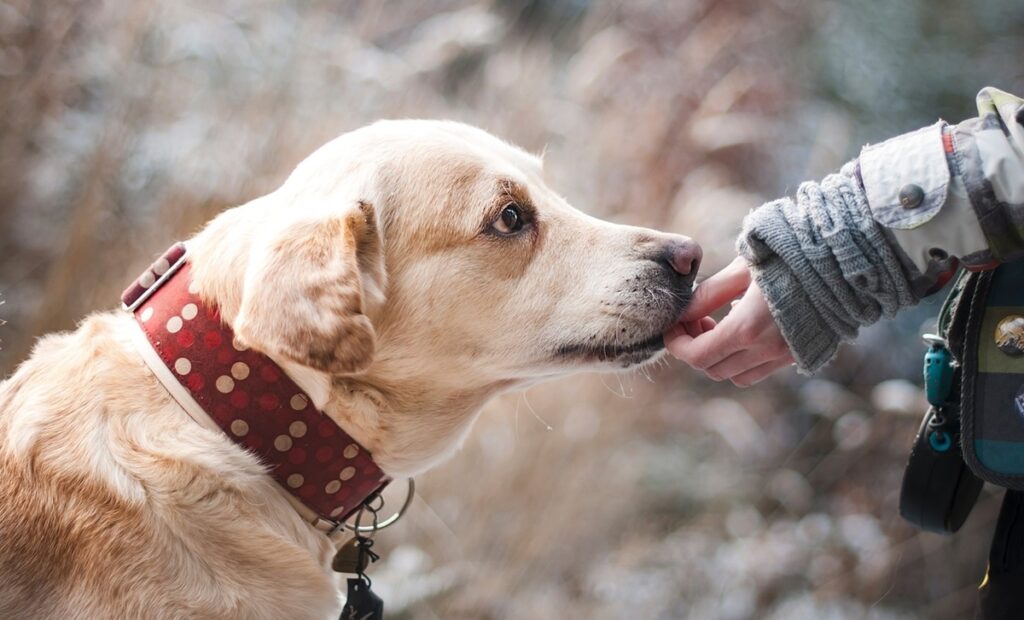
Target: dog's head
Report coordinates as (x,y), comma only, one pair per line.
(431,263)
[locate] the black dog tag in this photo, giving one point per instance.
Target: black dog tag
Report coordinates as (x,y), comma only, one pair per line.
(362,603)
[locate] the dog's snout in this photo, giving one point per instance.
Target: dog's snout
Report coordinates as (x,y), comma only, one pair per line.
(683,256)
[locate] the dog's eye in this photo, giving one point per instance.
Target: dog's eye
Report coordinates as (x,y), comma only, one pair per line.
(510,220)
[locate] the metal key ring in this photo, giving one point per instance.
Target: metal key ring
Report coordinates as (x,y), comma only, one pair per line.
(365,529)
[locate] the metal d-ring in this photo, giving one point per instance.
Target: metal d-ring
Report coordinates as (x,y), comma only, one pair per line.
(366,529)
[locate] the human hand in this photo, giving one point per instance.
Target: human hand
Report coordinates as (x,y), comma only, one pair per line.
(746,346)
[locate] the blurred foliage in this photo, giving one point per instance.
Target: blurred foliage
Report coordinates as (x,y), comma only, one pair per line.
(126,125)
(880,61)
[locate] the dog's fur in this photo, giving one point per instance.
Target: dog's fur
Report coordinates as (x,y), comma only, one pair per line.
(375,278)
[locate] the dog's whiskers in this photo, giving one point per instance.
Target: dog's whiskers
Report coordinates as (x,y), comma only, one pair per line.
(534,412)
(621,394)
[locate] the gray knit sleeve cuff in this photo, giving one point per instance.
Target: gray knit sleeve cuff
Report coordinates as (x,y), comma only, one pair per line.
(813,343)
(826,268)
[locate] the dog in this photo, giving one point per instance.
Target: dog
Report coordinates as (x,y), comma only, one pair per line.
(402,275)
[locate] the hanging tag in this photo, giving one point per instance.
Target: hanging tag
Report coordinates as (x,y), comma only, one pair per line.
(350,558)
(362,603)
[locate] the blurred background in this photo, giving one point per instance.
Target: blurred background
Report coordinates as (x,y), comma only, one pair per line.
(126,125)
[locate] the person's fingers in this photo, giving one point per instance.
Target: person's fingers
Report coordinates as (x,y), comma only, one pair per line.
(762,372)
(677,332)
(718,290)
(698,327)
(739,363)
(691,329)
(694,328)
(705,350)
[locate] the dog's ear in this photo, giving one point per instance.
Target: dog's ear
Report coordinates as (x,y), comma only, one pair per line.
(305,289)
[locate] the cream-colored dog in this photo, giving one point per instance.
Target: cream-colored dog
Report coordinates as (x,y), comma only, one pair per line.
(404,274)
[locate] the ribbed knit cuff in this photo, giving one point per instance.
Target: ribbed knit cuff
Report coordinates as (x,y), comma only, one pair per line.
(824,266)
(811,341)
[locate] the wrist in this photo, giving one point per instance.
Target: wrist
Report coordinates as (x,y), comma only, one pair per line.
(811,341)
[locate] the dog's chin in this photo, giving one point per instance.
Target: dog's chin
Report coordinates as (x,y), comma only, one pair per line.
(610,351)
(618,354)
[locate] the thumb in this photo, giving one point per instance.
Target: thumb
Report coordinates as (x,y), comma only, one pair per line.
(718,290)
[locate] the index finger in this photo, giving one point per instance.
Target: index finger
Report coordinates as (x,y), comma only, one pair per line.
(704,350)
(718,290)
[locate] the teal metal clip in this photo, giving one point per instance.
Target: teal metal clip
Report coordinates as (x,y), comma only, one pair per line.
(939,367)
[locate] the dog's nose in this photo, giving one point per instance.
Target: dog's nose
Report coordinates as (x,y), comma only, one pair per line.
(683,255)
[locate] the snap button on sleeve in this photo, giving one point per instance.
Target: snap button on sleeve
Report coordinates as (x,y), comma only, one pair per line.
(911,196)
(906,179)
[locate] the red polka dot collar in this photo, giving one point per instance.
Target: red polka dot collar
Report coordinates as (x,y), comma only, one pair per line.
(246,395)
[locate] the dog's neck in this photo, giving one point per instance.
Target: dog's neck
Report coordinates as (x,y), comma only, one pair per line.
(407,423)
(407,434)
(224,385)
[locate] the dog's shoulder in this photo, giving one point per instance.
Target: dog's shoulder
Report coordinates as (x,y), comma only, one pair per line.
(113,503)
(55,512)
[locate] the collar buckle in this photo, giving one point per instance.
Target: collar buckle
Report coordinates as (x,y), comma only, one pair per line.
(154,277)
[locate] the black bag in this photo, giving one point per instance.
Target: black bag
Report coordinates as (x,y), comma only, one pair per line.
(992,395)
(975,432)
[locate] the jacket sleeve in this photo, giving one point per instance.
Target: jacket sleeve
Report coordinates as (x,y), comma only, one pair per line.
(884,231)
(953,190)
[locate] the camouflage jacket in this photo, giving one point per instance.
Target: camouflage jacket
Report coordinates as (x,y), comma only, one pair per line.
(948,190)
